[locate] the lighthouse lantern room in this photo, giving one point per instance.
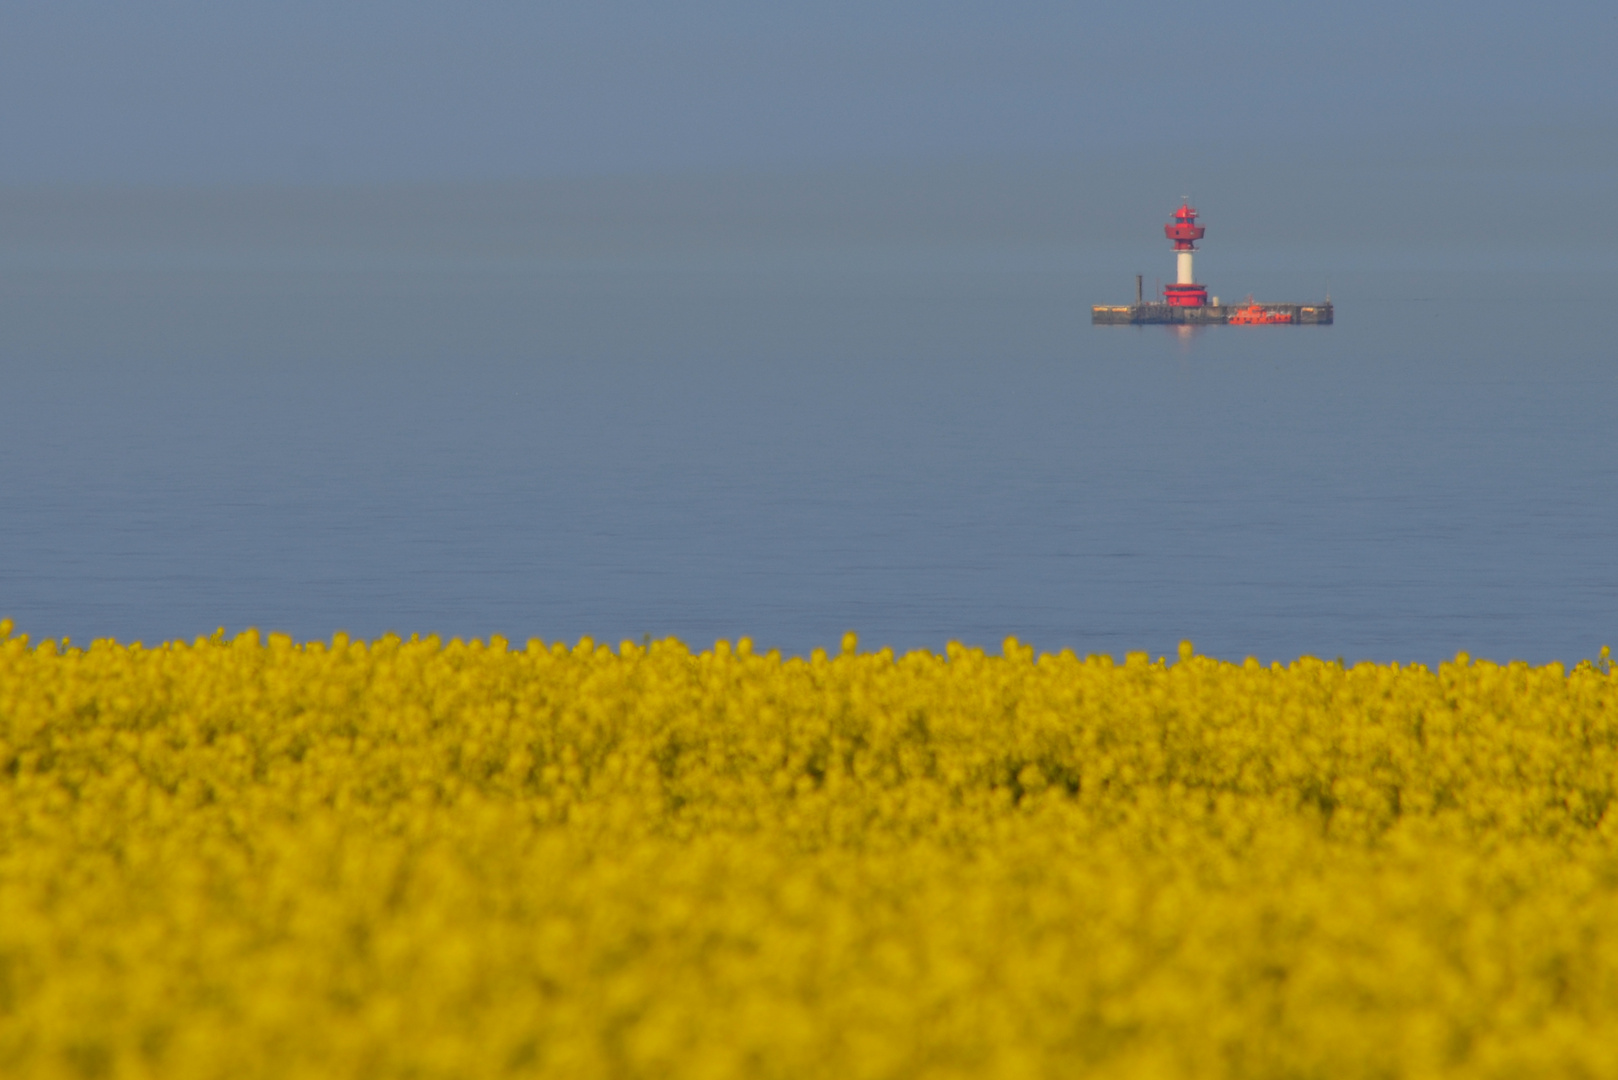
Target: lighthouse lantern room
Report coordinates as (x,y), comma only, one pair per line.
(1185,232)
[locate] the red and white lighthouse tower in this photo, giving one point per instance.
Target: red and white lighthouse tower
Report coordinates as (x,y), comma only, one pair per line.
(1185,232)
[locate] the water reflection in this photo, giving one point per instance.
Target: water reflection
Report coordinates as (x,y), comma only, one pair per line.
(1185,335)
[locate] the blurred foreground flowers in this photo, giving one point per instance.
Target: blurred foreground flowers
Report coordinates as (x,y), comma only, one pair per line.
(249,857)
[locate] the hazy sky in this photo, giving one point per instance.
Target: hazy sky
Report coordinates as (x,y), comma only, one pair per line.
(202,92)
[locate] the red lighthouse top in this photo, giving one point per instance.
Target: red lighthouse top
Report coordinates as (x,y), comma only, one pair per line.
(1184,230)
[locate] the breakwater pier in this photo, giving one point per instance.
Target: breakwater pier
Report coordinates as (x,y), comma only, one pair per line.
(1213,314)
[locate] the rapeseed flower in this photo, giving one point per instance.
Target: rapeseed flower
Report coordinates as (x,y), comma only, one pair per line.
(250,857)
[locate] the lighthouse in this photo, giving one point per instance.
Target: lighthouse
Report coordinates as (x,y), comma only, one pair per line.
(1185,303)
(1185,232)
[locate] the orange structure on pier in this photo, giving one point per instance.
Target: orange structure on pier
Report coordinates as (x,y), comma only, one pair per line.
(1252,313)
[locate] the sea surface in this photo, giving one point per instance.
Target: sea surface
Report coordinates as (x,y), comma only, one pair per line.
(920,443)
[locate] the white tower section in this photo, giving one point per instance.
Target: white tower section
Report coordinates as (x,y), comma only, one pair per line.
(1183,259)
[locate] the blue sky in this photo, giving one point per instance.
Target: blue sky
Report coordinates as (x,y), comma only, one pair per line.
(188,92)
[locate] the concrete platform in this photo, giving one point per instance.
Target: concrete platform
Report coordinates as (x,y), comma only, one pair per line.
(1212,315)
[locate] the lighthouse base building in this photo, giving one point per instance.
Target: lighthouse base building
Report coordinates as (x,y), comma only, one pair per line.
(1186,302)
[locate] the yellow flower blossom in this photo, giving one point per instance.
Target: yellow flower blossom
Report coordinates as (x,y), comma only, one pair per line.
(251,857)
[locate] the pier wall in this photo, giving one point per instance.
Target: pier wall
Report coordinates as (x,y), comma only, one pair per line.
(1211,315)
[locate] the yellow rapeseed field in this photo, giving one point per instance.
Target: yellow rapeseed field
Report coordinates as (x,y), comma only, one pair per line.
(251,857)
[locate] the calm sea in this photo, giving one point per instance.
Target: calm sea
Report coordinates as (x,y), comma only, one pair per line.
(918,444)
